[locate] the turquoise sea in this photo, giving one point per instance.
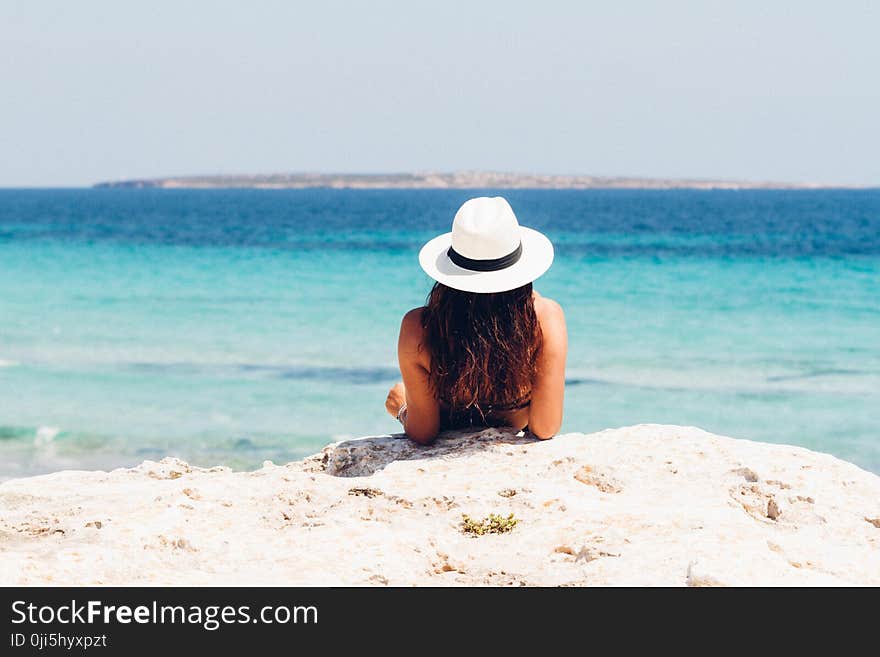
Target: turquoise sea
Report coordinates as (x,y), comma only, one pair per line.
(234,326)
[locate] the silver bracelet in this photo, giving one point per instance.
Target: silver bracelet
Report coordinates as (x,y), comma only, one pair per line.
(400,413)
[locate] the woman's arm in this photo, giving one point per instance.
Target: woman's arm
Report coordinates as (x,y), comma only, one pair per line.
(548,391)
(421,421)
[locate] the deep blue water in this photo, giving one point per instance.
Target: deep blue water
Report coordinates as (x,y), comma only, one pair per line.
(235,326)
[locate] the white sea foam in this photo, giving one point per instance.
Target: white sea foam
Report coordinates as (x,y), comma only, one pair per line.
(45,435)
(7,363)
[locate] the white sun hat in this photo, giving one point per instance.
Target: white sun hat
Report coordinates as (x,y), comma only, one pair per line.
(487,250)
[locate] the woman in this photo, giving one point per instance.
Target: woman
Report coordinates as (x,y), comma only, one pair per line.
(486,350)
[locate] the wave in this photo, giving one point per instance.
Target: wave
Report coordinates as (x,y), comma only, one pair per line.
(591,382)
(817,373)
(45,435)
(382,374)
(335,374)
(16,433)
(38,436)
(329,373)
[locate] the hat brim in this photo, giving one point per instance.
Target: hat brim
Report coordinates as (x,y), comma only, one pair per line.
(536,258)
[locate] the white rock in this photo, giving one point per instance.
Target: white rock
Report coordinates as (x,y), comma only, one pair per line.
(643,505)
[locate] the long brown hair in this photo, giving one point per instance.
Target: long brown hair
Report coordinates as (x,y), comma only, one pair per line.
(483,347)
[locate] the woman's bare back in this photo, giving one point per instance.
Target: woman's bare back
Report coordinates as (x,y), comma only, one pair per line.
(425,413)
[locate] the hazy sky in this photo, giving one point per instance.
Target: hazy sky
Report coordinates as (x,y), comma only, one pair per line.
(777,90)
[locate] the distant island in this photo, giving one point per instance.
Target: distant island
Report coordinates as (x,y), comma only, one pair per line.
(435,180)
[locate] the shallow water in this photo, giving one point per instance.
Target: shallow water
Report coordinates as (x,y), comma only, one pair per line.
(237,326)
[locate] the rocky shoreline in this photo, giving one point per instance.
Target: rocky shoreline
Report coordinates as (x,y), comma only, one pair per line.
(642,505)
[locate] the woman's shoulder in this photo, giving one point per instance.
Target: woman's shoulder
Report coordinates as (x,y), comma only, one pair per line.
(547,309)
(412,320)
(552,320)
(411,330)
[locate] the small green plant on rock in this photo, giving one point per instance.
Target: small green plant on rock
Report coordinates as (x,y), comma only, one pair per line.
(493,524)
